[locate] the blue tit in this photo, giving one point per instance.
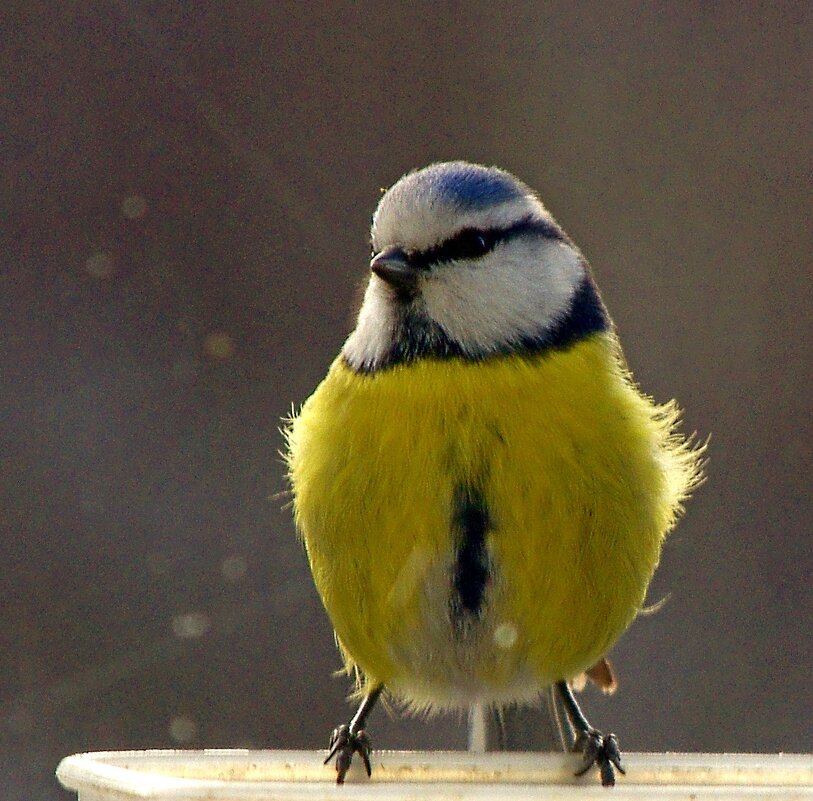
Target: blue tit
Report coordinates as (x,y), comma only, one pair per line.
(481,488)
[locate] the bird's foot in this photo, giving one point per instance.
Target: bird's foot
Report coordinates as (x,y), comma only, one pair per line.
(600,750)
(343,744)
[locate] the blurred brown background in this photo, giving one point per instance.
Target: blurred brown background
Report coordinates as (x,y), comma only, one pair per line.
(185,196)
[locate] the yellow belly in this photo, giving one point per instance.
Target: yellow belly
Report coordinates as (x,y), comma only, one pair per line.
(582,476)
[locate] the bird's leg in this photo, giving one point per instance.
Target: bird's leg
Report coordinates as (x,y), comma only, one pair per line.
(597,748)
(350,738)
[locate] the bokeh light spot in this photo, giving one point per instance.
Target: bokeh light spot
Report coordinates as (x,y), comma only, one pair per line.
(158,564)
(233,568)
(134,207)
(100,265)
(218,345)
(505,635)
(182,729)
(190,625)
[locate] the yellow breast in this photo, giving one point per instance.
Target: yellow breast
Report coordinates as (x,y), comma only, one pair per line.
(580,475)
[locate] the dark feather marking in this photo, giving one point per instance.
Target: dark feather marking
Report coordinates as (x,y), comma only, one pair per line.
(471,243)
(470,525)
(586,316)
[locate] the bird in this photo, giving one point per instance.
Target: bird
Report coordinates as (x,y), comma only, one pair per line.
(481,488)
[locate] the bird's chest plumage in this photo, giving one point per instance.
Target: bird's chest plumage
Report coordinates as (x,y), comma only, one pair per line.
(459,516)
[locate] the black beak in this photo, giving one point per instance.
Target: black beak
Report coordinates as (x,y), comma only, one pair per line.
(392,265)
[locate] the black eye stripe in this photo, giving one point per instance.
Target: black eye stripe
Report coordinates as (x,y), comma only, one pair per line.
(472,243)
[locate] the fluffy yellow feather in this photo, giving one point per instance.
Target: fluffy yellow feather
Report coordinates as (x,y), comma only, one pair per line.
(583,477)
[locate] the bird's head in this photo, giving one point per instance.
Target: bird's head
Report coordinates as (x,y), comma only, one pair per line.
(466,262)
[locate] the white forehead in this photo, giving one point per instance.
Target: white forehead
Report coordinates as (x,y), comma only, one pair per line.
(427,206)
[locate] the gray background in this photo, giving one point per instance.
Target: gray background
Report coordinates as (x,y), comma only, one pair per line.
(185,197)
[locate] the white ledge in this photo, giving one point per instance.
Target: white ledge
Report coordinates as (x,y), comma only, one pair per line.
(232,775)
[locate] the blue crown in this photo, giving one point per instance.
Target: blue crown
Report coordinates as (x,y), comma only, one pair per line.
(470,186)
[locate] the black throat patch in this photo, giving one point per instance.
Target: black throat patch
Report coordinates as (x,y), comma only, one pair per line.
(470,525)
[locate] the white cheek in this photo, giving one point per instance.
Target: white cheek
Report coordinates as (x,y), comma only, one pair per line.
(521,288)
(372,337)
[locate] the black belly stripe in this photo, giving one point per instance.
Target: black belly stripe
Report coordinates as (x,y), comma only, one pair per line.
(470,525)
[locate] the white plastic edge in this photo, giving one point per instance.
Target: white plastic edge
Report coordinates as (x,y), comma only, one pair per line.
(229,775)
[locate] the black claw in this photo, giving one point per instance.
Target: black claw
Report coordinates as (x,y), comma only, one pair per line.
(343,744)
(602,751)
(365,749)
